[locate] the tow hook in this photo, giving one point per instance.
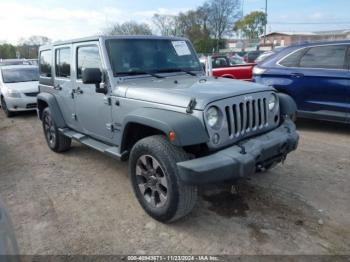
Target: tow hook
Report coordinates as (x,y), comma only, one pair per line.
(243,152)
(283,151)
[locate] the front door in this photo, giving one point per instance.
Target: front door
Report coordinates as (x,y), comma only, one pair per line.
(63,84)
(93,111)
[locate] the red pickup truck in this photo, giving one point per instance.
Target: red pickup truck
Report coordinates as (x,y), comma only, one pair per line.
(223,66)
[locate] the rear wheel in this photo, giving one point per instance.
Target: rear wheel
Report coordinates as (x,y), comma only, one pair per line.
(56,141)
(7,112)
(154,178)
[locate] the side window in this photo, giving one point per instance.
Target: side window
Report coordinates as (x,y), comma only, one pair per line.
(45,63)
(62,62)
(87,57)
(331,57)
(293,59)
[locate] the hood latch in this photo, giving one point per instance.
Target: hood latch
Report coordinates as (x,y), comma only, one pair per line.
(191,106)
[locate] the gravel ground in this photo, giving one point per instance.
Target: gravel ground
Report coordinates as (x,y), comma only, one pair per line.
(81,202)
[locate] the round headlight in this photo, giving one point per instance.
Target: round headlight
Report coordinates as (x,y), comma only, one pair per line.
(213,116)
(272,101)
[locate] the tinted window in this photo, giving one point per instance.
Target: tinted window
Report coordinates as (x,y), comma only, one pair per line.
(219,62)
(15,75)
(62,63)
(324,57)
(88,57)
(293,59)
(45,63)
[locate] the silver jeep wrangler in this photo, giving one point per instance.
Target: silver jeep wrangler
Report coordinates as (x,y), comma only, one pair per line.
(148,100)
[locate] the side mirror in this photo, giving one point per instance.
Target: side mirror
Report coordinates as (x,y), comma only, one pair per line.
(94,76)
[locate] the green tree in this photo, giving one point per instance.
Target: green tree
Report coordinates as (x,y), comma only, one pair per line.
(252,25)
(129,28)
(7,51)
(221,17)
(29,47)
(166,24)
(193,25)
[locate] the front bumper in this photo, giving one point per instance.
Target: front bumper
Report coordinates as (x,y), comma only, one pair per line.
(25,103)
(243,158)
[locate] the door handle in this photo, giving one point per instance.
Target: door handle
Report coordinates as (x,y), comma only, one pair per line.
(57,87)
(297,75)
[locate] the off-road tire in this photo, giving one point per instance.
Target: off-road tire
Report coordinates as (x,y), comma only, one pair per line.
(181,198)
(61,143)
(7,112)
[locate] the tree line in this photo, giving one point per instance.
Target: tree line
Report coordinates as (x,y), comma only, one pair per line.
(207,26)
(26,48)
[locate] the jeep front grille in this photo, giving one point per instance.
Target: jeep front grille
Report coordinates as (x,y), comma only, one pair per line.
(246,117)
(243,116)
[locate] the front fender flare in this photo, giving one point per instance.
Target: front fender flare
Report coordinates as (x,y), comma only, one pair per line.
(188,129)
(56,113)
(287,104)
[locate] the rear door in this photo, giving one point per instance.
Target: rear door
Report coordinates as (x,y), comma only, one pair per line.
(322,77)
(94,111)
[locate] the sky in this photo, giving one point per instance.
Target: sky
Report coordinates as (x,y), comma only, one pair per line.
(66,19)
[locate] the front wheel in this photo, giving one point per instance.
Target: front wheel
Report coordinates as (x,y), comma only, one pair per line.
(154,178)
(7,112)
(56,141)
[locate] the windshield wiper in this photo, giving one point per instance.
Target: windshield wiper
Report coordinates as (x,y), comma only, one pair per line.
(140,73)
(170,70)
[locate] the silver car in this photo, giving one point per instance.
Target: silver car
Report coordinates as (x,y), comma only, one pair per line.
(18,88)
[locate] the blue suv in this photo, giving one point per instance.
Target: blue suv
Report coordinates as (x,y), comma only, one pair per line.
(316,75)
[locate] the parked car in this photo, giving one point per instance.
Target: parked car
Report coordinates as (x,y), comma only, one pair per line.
(18,88)
(266,54)
(148,100)
(222,66)
(18,62)
(316,75)
(251,56)
(263,56)
(236,60)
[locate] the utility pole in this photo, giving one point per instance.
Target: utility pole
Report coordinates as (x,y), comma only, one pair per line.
(265,22)
(242,9)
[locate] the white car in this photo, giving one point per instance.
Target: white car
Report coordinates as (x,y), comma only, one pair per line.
(18,88)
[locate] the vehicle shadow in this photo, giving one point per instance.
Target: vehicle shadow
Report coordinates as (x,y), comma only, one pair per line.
(323,126)
(23,115)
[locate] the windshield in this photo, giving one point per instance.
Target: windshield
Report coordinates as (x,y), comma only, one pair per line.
(143,56)
(15,75)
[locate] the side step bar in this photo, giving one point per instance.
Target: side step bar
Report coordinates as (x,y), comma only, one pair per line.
(112,151)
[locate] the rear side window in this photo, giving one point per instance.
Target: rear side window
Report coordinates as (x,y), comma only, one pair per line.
(329,57)
(293,59)
(45,65)
(87,57)
(62,62)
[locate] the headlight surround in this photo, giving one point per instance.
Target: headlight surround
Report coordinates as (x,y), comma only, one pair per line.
(13,93)
(272,102)
(213,117)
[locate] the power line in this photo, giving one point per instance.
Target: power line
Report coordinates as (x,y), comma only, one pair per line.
(310,23)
